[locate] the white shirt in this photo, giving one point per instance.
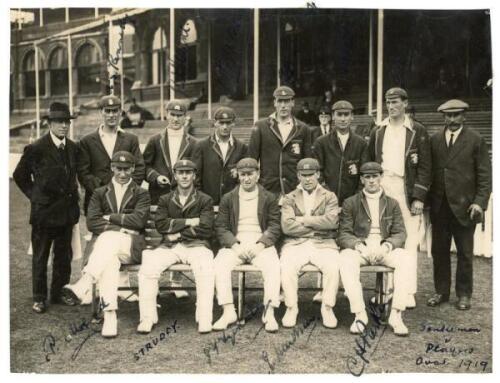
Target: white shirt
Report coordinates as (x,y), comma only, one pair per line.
(373,201)
(448,133)
(57,142)
(309,199)
(174,143)
(108,140)
(285,128)
(325,129)
(224,145)
(393,147)
(343,139)
(248,220)
(183,199)
(120,191)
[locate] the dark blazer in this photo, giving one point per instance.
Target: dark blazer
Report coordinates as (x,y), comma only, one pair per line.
(94,163)
(463,174)
(268,212)
(158,162)
(216,177)
(171,218)
(49,183)
(317,133)
(132,215)
(418,165)
(340,168)
(278,158)
(355,222)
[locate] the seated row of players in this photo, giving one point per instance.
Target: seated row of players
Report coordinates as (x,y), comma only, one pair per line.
(248,226)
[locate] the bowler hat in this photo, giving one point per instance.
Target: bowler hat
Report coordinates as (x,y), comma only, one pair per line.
(59,111)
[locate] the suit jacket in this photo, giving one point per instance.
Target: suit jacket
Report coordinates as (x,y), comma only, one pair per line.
(171,218)
(216,176)
(49,182)
(320,226)
(317,133)
(132,215)
(355,222)
(278,158)
(268,213)
(94,163)
(418,165)
(158,162)
(463,174)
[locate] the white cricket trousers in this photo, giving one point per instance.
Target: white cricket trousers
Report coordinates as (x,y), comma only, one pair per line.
(394,187)
(293,257)
(154,262)
(111,249)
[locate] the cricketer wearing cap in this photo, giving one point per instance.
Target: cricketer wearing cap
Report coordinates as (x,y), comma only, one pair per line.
(116,216)
(325,123)
(279,142)
(185,218)
(163,150)
(216,156)
(459,194)
(372,232)
(401,145)
(309,216)
(340,153)
(97,148)
(247,227)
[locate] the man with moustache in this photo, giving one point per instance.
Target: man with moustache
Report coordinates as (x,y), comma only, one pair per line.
(248,227)
(216,156)
(325,124)
(46,174)
(459,195)
(279,142)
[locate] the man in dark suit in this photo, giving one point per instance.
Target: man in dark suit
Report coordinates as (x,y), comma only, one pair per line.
(46,174)
(97,148)
(216,156)
(307,115)
(459,194)
(325,124)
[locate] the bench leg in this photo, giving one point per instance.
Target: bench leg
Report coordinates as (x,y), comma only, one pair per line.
(241,297)
(95,313)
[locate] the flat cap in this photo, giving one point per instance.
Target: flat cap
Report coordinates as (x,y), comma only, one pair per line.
(342,105)
(176,107)
(371,168)
(396,92)
(123,158)
(283,93)
(225,114)
(247,163)
(452,106)
(308,166)
(110,101)
(324,110)
(184,165)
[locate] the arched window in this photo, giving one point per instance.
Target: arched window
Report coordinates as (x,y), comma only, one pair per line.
(88,62)
(159,57)
(58,67)
(185,55)
(29,75)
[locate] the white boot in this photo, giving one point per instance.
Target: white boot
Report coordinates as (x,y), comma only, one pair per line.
(329,319)
(145,326)
(396,322)
(110,325)
(271,325)
(228,317)
(290,317)
(356,327)
(80,289)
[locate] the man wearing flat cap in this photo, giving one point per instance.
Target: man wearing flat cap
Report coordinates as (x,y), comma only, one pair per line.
(46,174)
(116,216)
(185,218)
(325,123)
(216,156)
(372,232)
(309,217)
(248,227)
(459,194)
(279,142)
(401,145)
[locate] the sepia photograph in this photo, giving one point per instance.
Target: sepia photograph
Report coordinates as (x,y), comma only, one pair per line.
(304,189)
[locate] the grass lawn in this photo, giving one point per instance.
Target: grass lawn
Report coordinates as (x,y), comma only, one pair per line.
(63,341)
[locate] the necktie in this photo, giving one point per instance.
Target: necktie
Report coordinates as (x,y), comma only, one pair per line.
(450,142)
(62,155)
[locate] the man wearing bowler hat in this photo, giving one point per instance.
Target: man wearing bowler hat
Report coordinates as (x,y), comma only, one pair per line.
(279,142)
(116,216)
(459,194)
(216,156)
(46,174)
(401,145)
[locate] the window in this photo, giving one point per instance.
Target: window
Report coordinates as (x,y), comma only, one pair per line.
(159,57)
(29,76)
(58,67)
(88,62)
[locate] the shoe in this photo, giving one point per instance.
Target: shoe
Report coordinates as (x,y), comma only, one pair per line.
(463,303)
(329,319)
(359,323)
(410,303)
(437,299)
(204,327)
(270,323)
(145,326)
(87,298)
(318,298)
(396,322)
(179,294)
(39,307)
(110,325)
(290,318)
(79,290)
(228,317)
